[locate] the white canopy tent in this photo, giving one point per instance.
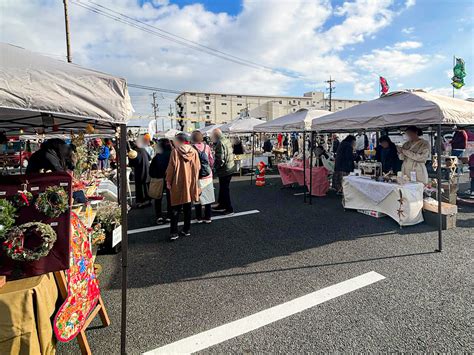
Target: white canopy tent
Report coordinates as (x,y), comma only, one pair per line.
(399,109)
(45,93)
(40,95)
(207,130)
(241,125)
(140,122)
(170,134)
(297,121)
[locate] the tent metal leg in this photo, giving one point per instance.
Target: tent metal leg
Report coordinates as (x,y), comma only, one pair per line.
(311,170)
(438,173)
(304,165)
(253,157)
(124,211)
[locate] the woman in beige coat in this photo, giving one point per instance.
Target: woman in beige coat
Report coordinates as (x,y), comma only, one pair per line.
(182,180)
(414,154)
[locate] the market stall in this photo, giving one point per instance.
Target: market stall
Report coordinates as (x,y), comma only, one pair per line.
(400,109)
(299,121)
(42,234)
(402,202)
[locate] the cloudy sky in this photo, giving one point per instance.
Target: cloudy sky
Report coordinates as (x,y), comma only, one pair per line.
(281,46)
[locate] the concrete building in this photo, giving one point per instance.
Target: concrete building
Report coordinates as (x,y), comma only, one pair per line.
(197,108)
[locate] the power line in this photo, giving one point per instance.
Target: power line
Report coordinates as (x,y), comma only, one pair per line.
(124,19)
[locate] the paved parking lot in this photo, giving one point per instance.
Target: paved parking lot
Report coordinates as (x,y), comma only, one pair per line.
(239,266)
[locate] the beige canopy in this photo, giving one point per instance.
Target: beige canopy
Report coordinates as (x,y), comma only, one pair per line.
(297,121)
(398,109)
(41,94)
(240,125)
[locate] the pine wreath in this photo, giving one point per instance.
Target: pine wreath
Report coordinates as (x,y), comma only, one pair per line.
(15,238)
(52,202)
(7,216)
(22,199)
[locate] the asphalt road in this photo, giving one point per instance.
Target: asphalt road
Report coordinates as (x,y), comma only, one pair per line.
(239,266)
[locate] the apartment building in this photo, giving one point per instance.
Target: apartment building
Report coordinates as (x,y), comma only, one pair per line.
(199,109)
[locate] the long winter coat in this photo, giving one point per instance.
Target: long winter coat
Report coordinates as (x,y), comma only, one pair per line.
(414,156)
(182,175)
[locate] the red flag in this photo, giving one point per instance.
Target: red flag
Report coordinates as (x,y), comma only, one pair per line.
(384,85)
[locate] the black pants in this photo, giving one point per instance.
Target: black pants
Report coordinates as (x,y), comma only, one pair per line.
(141,191)
(207,211)
(159,208)
(224,193)
(175,212)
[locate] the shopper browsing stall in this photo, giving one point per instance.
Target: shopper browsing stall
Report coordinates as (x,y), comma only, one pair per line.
(139,160)
(224,167)
(205,177)
(344,161)
(182,179)
(414,155)
(52,156)
(158,167)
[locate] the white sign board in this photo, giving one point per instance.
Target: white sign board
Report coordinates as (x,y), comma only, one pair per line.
(116,236)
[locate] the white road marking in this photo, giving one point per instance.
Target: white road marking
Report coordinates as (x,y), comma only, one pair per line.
(299,194)
(241,326)
(215,218)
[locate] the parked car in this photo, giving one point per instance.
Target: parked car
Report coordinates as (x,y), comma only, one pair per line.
(16,153)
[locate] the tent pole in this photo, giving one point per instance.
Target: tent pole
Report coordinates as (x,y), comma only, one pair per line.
(311,170)
(438,173)
(124,210)
(304,166)
(253,157)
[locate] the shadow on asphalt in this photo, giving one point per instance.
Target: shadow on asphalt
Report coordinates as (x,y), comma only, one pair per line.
(285,225)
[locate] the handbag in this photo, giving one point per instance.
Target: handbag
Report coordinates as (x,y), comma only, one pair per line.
(156,188)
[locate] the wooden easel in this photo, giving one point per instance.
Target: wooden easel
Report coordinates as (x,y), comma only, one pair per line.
(60,277)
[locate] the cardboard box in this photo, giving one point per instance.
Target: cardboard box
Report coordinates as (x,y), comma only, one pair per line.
(371,213)
(448,221)
(446,208)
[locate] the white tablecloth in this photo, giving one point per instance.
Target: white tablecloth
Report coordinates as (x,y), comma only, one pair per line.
(403,203)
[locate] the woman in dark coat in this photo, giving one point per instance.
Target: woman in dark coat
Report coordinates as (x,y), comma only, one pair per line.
(140,165)
(387,154)
(345,157)
(158,167)
(52,156)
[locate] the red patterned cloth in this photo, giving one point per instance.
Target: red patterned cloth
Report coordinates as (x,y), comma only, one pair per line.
(83,286)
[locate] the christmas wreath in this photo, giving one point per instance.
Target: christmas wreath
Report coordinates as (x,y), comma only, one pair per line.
(7,216)
(22,199)
(53,201)
(15,238)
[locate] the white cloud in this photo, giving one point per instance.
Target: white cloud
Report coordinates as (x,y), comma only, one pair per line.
(407,45)
(410,3)
(363,88)
(408,30)
(463,93)
(393,63)
(281,34)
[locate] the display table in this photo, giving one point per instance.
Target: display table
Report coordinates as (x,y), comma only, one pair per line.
(291,174)
(26,308)
(403,203)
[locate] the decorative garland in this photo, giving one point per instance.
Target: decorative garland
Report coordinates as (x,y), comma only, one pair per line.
(15,238)
(22,199)
(7,216)
(53,201)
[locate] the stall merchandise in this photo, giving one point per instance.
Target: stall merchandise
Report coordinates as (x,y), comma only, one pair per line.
(53,256)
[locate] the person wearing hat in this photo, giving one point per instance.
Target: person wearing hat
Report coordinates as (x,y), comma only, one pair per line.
(182,180)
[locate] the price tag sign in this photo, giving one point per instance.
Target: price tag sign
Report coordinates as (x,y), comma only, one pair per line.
(116,236)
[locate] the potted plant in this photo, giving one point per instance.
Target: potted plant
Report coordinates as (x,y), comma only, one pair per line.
(108,216)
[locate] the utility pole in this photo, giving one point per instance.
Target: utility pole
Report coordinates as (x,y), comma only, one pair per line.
(66,21)
(170,115)
(331,90)
(155,111)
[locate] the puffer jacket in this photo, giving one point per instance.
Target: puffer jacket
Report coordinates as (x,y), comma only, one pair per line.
(224,164)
